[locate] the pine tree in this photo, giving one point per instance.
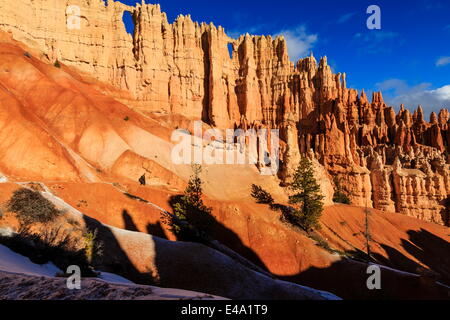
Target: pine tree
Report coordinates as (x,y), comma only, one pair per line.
(307,197)
(194,217)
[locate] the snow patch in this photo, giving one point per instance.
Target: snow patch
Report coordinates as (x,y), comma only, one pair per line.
(114,278)
(15,263)
(6,232)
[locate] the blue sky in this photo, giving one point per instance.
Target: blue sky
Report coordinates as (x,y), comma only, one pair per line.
(408,59)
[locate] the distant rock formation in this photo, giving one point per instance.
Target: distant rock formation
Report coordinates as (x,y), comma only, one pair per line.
(394,162)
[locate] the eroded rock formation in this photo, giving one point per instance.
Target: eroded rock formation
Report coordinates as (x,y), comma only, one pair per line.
(387,160)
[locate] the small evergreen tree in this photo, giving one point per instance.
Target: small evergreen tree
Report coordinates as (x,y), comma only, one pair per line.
(194,217)
(92,247)
(307,197)
(339,195)
(261,195)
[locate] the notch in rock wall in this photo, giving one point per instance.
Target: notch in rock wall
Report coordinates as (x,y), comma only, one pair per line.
(230,50)
(128,21)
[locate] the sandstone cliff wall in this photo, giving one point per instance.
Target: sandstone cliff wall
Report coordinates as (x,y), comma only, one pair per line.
(386,160)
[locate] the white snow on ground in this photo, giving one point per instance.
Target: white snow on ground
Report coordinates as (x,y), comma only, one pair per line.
(114,278)
(15,263)
(324,294)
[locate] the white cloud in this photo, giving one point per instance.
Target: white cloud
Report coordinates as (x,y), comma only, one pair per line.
(400,87)
(299,42)
(376,42)
(345,17)
(398,92)
(443,61)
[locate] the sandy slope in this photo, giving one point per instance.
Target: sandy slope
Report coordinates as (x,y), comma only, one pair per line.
(399,241)
(58,128)
(151,260)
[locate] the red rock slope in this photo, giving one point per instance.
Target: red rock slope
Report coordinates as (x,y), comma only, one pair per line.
(386,160)
(89,148)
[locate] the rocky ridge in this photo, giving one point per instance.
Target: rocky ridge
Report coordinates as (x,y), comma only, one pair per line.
(386,160)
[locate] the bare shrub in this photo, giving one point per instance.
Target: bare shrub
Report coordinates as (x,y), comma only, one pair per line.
(31,207)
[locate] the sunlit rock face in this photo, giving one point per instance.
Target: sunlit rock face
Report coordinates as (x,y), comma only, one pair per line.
(387,160)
